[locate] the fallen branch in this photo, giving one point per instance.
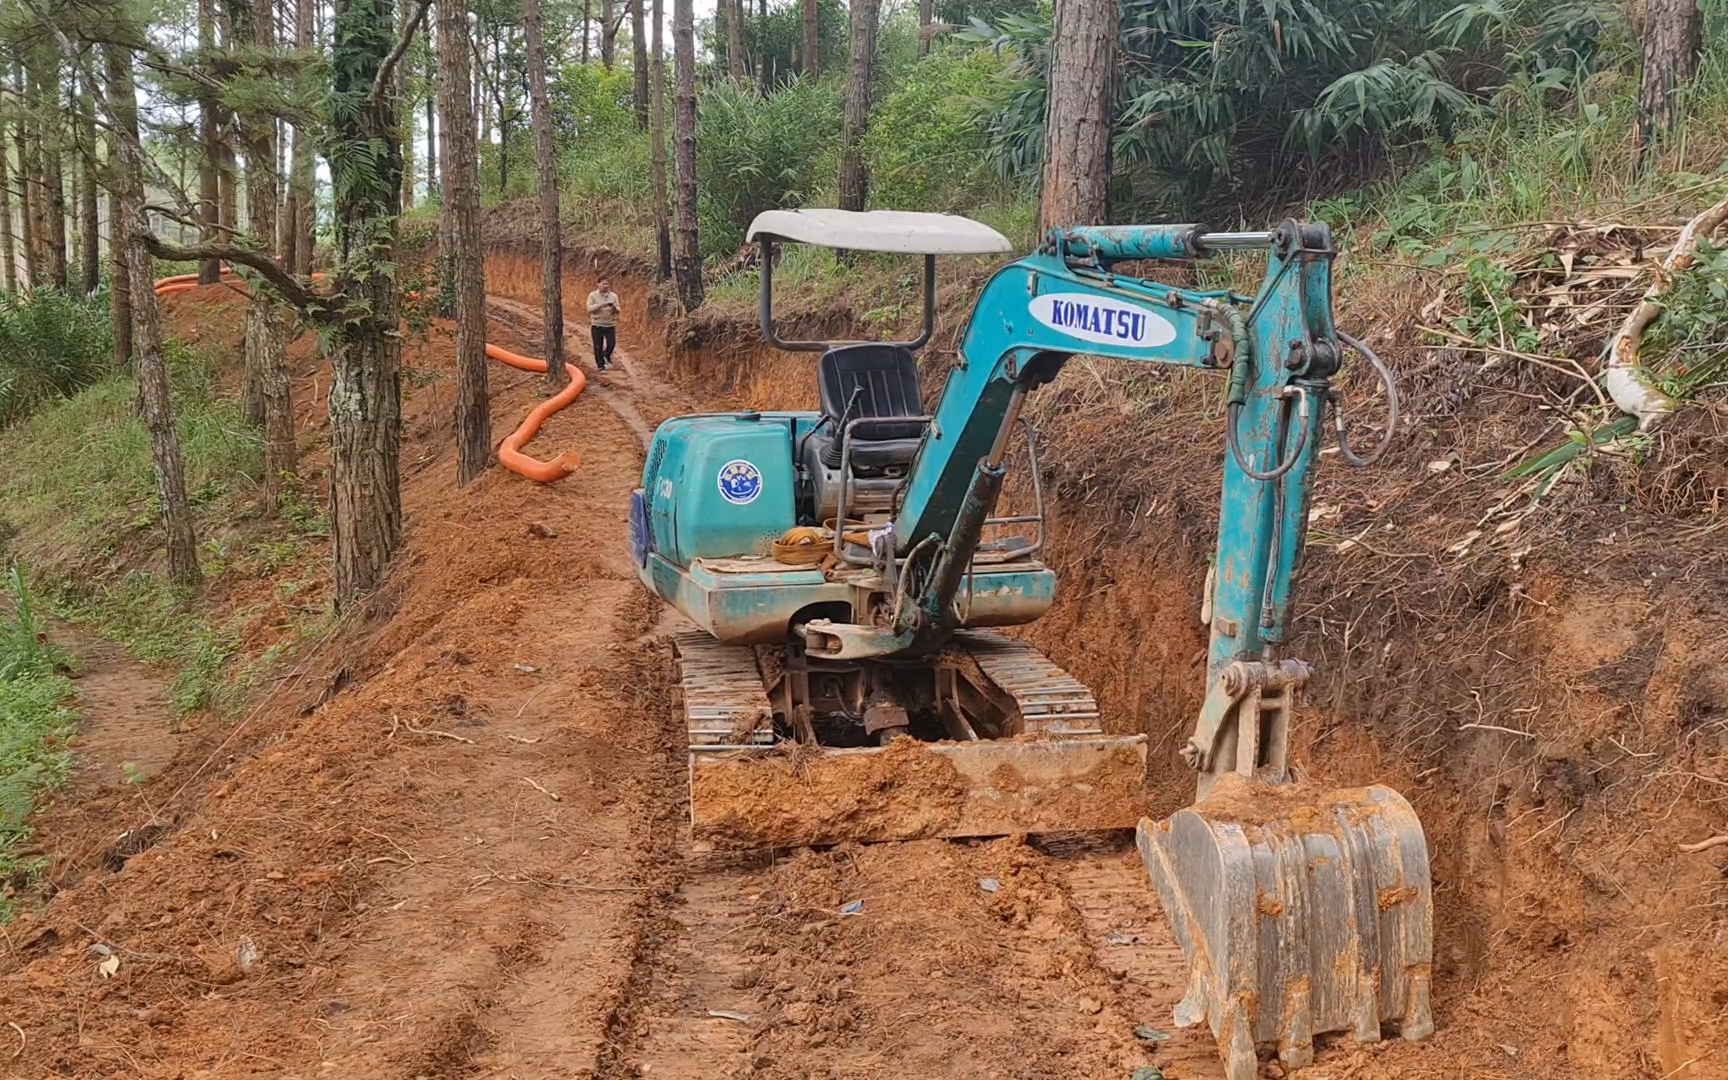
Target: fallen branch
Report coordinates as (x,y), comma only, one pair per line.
(1497,727)
(1628,383)
(535,784)
(1704,845)
(310,304)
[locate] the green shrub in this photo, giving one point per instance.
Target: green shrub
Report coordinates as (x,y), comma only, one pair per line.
(926,147)
(51,345)
(756,153)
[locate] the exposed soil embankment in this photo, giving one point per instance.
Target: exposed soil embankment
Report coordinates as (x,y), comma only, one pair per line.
(1546,682)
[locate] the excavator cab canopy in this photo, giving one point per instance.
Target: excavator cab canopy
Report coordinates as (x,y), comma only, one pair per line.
(898,232)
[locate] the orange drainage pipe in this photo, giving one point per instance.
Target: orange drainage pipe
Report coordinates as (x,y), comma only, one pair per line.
(175,287)
(510,453)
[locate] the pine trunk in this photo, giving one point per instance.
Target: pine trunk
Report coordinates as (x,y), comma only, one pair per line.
(734,38)
(89,214)
(460,219)
(266,325)
(119,271)
(926,29)
(812,40)
(546,171)
(587,29)
(406,105)
(365,352)
(182,543)
(1076,180)
(210,163)
(1672,40)
(431,116)
(53,179)
(688,262)
(302,169)
(657,163)
(854,180)
(608,34)
(28,200)
(638,65)
(8,234)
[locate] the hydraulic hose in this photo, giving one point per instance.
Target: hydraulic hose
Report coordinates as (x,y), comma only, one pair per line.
(1234,416)
(1391,386)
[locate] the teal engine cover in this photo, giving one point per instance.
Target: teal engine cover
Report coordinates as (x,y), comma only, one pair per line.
(719,485)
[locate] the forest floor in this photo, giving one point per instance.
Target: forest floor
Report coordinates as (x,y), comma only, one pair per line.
(451,841)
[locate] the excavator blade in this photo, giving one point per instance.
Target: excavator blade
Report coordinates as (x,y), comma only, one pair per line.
(751,788)
(909,790)
(1300,911)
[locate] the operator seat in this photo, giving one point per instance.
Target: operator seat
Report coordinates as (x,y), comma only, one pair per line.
(884,379)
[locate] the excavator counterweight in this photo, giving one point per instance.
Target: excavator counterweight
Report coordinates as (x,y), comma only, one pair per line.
(848,572)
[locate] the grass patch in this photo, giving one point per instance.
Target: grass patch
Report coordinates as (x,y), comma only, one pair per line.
(78,494)
(35,730)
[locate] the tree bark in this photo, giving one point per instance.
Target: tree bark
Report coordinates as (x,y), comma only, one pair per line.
(926,17)
(365,351)
(734,38)
(657,162)
(266,329)
(812,57)
(28,199)
(688,268)
(587,20)
(406,105)
(53,212)
(611,20)
(1076,179)
(182,544)
(302,169)
(546,170)
(119,271)
(460,219)
(209,164)
(854,179)
(1672,41)
(89,216)
(431,118)
(638,65)
(8,235)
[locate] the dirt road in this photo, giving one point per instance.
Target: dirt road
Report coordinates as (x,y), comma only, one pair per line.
(452,844)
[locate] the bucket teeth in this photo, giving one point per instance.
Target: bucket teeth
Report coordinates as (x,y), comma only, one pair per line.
(1314,916)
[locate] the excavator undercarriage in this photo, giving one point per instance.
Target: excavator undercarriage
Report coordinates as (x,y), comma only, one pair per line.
(987,738)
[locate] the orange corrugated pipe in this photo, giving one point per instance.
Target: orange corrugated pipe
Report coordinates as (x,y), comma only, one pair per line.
(510,453)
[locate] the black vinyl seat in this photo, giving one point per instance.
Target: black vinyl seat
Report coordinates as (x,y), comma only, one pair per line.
(875,381)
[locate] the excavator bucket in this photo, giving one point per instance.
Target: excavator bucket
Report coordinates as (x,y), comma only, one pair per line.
(1301,912)
(755,785)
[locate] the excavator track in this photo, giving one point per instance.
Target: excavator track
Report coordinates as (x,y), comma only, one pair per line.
(1050,700)
(721,695)
(750,790)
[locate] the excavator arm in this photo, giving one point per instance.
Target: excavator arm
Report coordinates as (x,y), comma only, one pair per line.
(1300,910)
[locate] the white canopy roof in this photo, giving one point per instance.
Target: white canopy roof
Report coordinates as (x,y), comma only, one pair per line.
(902,231)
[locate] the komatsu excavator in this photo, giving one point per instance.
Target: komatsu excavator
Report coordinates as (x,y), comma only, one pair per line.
(847,571)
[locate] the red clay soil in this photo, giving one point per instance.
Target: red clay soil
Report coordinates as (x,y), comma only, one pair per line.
(452,841)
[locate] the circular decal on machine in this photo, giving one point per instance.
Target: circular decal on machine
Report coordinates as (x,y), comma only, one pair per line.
(740,482)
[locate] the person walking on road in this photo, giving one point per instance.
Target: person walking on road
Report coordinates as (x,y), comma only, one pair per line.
(603,323)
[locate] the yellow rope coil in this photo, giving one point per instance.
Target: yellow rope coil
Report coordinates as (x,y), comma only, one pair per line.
(805,545)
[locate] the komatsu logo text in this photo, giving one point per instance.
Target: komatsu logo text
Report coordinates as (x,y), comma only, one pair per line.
(1104,322)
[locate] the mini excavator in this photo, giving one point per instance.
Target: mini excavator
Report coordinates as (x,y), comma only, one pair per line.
(848,572)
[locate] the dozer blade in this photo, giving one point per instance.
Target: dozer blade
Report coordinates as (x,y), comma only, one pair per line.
(909,790)
(1300,911)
